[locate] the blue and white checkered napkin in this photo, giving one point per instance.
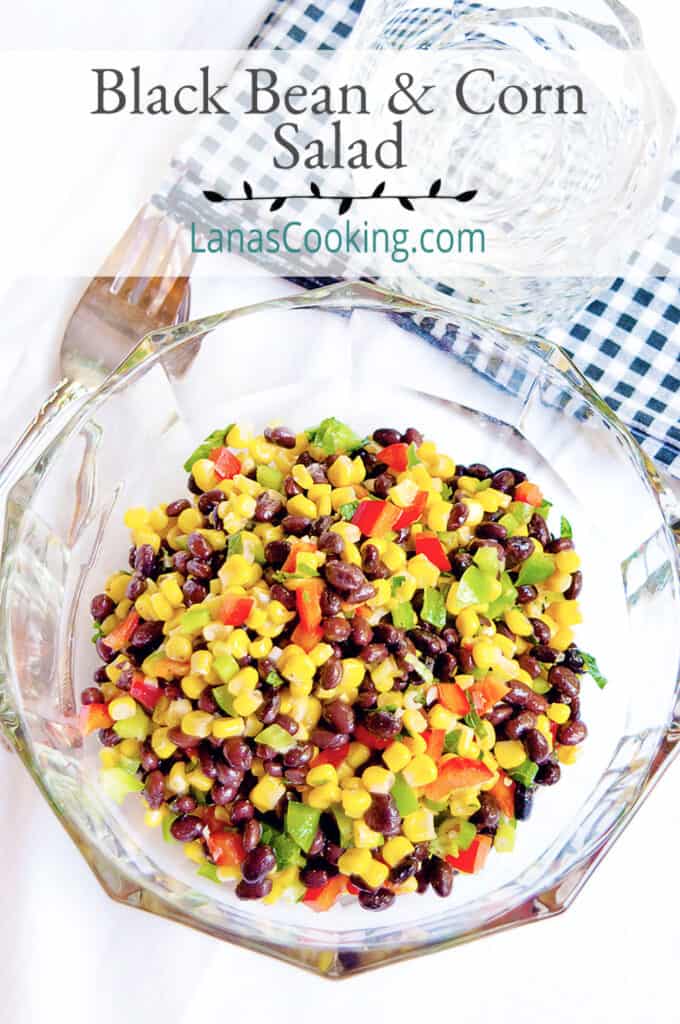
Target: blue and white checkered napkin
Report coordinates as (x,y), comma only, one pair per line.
(627,341)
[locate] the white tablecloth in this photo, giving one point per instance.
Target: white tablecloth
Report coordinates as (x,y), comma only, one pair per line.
(67,953)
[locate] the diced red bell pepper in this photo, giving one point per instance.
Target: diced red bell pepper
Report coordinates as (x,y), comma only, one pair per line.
(94,717)
(290,565)
(331,756)
(120,637)
(529,493)
(504,794)
(323,897)
(433,550)
(226,463)
(235,609)
(412,513)
(453,698)
(457,773)
(473,859)
(146,692)
(308,599)
(553,730)
(434,738)
(395,456)
(226,848)
(306,638)
(485,693)
(369,739)
(376,518)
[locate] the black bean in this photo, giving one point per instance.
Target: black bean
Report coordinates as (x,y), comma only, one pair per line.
(154,789)
(336,629)
(237,753)
(327,740)
(135,587)
(322,525)
(538,529)
(374,654)
(380,899)
(574,588)
(522,696)
(382,484)
(466,662)
(223,793)
(499,714)
(206,702)
(541,632)
(457,516)
(362,593)
(412,436)
(331,605)
(548,774)
(287,723)
(404,870)
(517,550)
(460,561)
(313,878)
(149,760)
(192,486)
(296,525)
(543,653)
(503,481)
(344,577)
(284,596)
(382,816)
(479,471)
(339,715)
(296,776)
(564,681)
(199,569)
(284,437)
(423,878)
(524,797)
(241,812)
(317,845)
(362,634)
(331,674)
(104,651)
(573,659)
(209,500)
(207,761)
(488,816)
(560,544)
(193,593)
(147,633)
(252,833)
(109,737)
(258,863)
(492,531)
(516,727)
(382,724)
(572,733)
(441,876)
(186,828)
(386,436)
(99,675)
(175,508)
(198,546)
(537,746)
(101,607)
(368,695)
(145,560)
(332,543)
(429,643)
(185,804)
(529,665)
(253,890)
(290,487)
(92,695)
(268,506)
(179,561)
(298,756)
(181,739)
(526,593)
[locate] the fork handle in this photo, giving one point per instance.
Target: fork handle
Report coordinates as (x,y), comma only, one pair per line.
(62,395)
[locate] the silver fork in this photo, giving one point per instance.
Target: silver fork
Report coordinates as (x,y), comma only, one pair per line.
(142,286)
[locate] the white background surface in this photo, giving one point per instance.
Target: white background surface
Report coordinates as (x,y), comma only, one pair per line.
(69,954)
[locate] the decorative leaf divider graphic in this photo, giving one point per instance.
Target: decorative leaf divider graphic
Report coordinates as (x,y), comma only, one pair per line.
(407,202)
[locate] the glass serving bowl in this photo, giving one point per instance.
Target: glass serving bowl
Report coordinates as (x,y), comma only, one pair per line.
(371,358)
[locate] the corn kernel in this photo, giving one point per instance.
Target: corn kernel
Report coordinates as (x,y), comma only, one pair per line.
(441,718)
(225,728)
(376,874)
(486,736)
(341,496)
(423,571)
(136,518)
(518,623)
(485,654)
(322,774)
(404,493)
(467,623)
(189,520)
(562,639)
(302,476)
(162,608)
(355,802)
(244,682)
(357,754)
(566,613)
(193,686)
(397,756)
(568,755)
(203,472)
(197,723)
(116,585)
(419,826)
(393,699)
(176,780)
(416,744)
(199,781)
(567,561)
(377,779)
(178,648)
(323,797)
(340,473)
(353,672)
(354,862)
(236,644)
(510,754)
(299,505)
(266,793)
(467,745)
(194,852)
(364,837)
(395,850)
(420,771)
(409,886)
(247,703)
(320,654)
(154,818)
(414,721)
(438,516)
(109,757)
(559,713)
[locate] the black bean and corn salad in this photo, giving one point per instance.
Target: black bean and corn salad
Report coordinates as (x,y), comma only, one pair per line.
(340,665)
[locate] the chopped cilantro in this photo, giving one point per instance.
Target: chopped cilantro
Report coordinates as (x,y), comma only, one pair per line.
(214,440)
(348,509)
(412,456)
(395,584)
(565,528)
(594,669)
(333,436)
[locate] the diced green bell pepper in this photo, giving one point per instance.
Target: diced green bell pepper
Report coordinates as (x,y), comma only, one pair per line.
(235,544)
(193,621)
(403,796)
(302,824)
(129,764)
(487,560)
(208,870)
(270,479)
(136,727)
(475,587)
(348,509)
(345,828)
(226,667)
(117,783)
(274,679)
(537,568)
(225,700)
(504,840)
(276,738)
(505,600)
(403,616)
(433,610)
(451,741)
(332,436)
(166,825)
